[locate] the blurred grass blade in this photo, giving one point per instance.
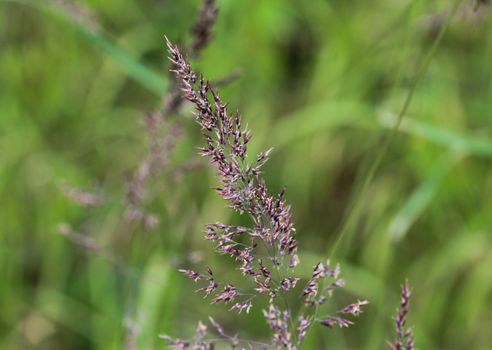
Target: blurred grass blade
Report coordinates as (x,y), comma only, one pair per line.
(453,140)
(322,117)
(61,308)
(154,81)
(317,118)
(157,286)
(446,271)
(421,197)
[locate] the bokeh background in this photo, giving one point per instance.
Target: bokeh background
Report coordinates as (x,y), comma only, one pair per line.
(323,82)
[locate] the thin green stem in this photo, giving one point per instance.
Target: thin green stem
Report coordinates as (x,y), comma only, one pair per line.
(354,211)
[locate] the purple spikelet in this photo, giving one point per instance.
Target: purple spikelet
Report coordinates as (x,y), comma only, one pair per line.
(404,335)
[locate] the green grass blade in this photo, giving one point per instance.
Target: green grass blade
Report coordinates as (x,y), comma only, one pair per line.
(153,81)
(454,140)
(421,197)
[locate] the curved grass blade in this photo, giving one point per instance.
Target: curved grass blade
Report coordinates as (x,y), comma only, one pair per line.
(153,81)
(456,141)
(421,197)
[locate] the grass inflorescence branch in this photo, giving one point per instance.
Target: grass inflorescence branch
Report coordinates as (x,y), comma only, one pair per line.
(271,230)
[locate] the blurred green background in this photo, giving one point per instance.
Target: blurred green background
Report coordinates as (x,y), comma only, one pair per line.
(322,82)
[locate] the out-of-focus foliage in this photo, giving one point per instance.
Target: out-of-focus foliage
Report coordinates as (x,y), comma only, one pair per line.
(323,82)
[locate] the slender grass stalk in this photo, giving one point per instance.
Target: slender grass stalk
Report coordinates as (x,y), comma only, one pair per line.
(352,217)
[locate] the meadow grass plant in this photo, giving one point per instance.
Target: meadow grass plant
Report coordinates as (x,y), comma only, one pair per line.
(267,250)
